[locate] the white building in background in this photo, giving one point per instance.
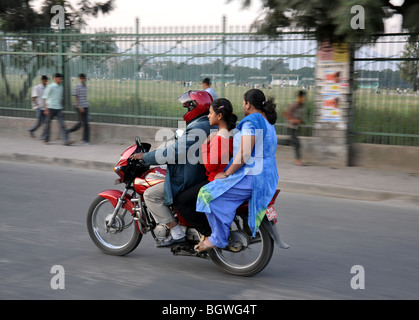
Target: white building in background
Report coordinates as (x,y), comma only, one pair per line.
(285,79)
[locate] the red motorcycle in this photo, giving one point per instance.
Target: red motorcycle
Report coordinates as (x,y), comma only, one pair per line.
(117,221)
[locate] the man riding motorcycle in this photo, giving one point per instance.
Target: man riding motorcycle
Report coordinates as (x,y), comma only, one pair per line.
(183,168)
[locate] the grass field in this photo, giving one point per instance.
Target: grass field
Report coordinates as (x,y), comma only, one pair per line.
(157,103)
(389,117)
(160,99)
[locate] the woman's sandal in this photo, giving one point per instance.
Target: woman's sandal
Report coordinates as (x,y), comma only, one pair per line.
(202,246)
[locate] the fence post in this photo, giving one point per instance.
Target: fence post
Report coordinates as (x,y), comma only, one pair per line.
(223,65)
(137,84)
(60,52)
(63,68)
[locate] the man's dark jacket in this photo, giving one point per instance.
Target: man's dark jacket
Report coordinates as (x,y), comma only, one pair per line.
(184,168)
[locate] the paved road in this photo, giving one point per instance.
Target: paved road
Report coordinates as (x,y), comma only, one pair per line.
(42,224)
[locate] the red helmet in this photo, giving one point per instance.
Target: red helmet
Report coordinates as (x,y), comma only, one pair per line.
(198,103)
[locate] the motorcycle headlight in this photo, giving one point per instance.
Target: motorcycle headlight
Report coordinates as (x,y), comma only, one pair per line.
(117,170)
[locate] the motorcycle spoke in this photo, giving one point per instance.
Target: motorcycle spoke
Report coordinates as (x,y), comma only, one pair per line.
(118,235)
(244,258)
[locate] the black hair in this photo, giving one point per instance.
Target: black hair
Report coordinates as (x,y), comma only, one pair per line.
(58,75)
(207,81)
(44,77)
(82,75)
(257,99)
(225,107)
(301,93)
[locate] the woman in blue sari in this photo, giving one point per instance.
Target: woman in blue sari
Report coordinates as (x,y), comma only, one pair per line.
(251,174)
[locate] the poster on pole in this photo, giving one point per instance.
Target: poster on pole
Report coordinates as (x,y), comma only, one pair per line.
(333,73)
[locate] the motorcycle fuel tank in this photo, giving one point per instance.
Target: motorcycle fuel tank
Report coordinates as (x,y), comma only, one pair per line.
(152,177)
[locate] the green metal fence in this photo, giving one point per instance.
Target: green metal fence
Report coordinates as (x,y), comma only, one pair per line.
(386,91)
(135,76)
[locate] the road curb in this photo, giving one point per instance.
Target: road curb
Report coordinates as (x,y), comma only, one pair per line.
(65,162)
(344,192)
(285,185)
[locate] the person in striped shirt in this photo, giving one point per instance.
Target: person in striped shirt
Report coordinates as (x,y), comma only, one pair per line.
(80,94)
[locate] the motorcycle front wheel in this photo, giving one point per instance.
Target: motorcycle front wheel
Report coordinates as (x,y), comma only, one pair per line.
(248,262)
(119,239)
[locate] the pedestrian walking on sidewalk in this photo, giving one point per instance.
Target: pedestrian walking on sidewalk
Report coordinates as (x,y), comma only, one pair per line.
(294,114)
(53,99)
(38,104)
(80,94)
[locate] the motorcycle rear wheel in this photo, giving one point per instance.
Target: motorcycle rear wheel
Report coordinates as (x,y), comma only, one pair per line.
(238,263)
(118,241)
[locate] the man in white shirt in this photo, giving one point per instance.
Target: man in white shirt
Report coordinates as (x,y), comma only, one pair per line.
(53,99)
(38,104)
(206,85)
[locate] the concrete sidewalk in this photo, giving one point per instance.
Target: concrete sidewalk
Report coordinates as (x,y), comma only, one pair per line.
(345,182)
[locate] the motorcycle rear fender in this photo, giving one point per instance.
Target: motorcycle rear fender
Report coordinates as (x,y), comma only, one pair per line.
(113,196)
(274,197)
(274,233)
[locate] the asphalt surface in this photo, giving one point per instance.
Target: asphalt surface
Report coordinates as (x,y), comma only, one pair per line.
(43,224)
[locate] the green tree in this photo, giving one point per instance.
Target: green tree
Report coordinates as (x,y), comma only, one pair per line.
(409,69)
(271,66)
(19,15)
(331,20)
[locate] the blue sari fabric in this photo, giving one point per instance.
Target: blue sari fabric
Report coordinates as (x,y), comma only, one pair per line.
(261,167)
